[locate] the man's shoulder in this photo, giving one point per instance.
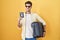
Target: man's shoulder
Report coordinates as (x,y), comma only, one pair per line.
(36,14)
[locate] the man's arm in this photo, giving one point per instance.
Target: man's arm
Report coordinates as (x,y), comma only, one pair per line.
(42,21)
(19,22)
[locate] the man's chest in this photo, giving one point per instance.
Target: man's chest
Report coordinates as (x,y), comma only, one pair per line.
(29,18)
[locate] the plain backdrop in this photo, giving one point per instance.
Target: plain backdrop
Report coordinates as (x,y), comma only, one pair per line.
(47,9)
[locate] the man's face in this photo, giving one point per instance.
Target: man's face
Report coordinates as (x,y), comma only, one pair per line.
(28,7)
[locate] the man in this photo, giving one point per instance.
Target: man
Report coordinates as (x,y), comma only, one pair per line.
(29,17)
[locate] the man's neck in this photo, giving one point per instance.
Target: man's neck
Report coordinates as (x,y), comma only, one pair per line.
(28,12)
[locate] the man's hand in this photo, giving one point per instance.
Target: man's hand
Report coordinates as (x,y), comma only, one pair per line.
(19,25)
(44,33)
(44,30)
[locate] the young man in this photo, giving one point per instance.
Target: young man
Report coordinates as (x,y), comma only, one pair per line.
(29,17)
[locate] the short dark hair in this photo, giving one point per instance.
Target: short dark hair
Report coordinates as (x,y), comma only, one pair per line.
(28,2)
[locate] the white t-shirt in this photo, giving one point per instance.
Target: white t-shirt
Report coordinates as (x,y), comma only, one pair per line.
(29,31)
